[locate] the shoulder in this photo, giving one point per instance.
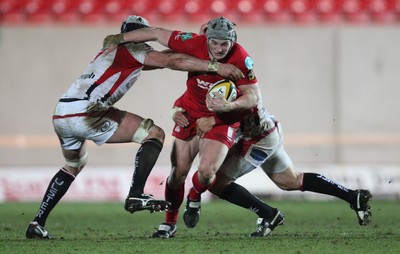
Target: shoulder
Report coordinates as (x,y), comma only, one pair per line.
(184,37)
(189,43)
(243,61)
(239,51)
(138,47)
(138,50)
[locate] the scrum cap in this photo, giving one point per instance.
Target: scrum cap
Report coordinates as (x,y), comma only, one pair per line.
(221,28)
(134,22)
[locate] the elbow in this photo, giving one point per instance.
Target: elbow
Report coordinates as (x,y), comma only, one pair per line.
(254,100)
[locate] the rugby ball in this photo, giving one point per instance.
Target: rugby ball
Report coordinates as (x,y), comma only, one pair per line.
(224,87)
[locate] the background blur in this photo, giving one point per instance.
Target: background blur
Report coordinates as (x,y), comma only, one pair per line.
(328,70)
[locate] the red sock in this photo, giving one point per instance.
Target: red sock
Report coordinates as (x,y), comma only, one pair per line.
(198,188)
(175,197)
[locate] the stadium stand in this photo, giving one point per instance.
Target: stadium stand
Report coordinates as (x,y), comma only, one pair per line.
(22,12)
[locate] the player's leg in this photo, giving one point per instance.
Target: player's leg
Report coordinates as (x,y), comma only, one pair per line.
(280,169)
(224,187)
(182,156)
(134,128)
(58,186)
(211,156)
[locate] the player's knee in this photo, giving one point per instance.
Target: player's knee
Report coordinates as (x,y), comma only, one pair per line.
(176,180)
(75,166)
(205,176)
(145,128)
(157,133)
(290,183)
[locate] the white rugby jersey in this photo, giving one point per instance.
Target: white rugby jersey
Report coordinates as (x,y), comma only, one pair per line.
(108,78)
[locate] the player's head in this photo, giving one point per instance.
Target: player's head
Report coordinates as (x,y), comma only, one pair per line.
(221,28)
(134,22)
(221,36)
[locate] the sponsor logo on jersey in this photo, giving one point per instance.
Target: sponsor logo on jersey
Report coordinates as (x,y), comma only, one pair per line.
(250,75)
(184,36)
(106,125)
(203,84)
(248,62)
(87,76)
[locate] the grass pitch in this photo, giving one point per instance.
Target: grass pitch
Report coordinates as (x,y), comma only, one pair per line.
(310,227)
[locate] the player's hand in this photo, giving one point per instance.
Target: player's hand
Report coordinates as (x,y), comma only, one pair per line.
(179,117)
(230,71)
(204,125)
(111,42)
(218,104)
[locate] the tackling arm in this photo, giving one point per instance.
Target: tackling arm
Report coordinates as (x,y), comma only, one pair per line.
(183,62)
(159,35)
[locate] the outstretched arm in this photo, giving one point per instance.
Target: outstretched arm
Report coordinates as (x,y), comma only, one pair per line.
(159,35)
(183,62)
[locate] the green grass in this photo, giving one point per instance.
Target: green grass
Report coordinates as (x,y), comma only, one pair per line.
(310,227)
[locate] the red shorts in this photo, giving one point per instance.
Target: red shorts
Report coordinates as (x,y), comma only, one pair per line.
(222,133)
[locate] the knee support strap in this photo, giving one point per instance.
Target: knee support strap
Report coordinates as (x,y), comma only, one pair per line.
(77,163)
(143,130)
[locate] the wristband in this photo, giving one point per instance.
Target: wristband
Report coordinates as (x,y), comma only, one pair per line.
(213,66)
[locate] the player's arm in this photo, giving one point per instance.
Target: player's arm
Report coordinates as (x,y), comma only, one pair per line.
(183,62)
(205,124)
(150,68)
(251,95)
(160,35)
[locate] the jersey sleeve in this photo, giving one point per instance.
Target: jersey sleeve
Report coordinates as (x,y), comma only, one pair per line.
(183,42)
(245,63)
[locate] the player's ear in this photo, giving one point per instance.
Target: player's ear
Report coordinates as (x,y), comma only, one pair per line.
(203,29)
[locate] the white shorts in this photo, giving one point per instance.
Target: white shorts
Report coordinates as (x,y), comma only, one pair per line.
(266,152)
(77,121)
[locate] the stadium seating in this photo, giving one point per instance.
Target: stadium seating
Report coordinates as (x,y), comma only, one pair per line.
(383,11)
(328,11)
(249,10)
(196,10)
(65,11)
(11,11)
(22,12)
(276,11)
(302,10)
(355,11)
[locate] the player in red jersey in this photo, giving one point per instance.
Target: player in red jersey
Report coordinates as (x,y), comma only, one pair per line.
(86,112)
(219,46)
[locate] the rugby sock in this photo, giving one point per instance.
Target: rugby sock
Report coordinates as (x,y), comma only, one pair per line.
(58,186)
(238,195)
(145,160)
(321,184)
(198,187)
(175,197)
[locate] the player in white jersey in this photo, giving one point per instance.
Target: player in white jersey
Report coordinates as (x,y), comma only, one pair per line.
(260,144)
(86,112)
